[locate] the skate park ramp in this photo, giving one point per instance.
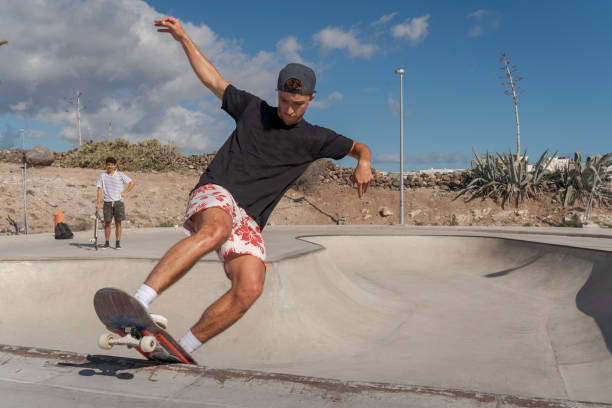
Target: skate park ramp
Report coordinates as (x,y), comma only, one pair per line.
(484,314)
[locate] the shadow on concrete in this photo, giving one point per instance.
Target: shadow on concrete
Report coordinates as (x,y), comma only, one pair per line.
(88,246)
(595,297)
(304,199)
(110,366)
(509,271)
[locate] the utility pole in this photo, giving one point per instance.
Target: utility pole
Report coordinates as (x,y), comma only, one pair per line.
(400,72)
(77,101)
(78,112)
(1,44)
(110,125)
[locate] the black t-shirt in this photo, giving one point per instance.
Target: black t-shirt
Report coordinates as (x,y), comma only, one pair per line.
(263,156)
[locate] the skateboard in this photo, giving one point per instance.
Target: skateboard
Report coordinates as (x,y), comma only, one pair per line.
(95,237)
(132,326)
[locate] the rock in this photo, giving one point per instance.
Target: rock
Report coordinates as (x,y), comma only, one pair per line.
(385,212)
(414,213)
(462,219)
(502,215)
(40,156)
(480,214)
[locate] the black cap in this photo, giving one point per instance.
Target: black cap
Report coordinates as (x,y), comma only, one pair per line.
(300,72)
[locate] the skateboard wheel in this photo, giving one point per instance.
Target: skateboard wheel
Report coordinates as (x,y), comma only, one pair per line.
(148,344)
(104,342)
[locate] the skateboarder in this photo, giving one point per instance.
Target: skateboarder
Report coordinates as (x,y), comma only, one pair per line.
(110,190)
(269,149)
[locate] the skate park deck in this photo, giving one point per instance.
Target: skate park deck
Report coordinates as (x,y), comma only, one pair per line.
(350,316)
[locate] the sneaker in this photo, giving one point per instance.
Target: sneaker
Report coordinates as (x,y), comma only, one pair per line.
(159,320)
(118,246)
(105,246)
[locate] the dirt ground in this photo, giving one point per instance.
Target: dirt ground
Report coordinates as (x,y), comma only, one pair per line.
(159,199)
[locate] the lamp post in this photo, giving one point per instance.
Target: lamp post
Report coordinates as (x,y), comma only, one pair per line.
(400,72)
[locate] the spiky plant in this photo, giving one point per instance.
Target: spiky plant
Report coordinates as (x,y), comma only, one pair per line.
(505,178)
(585,181)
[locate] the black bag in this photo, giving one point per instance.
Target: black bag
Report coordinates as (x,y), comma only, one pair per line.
(62,231)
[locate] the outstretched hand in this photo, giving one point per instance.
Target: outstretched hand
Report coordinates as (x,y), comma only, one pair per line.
(362,177)
(172,25)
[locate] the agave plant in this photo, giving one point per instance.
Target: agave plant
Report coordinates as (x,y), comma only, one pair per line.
(585,181)
(506,178)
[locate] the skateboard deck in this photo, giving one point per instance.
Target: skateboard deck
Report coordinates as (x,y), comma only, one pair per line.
(124,316)
(95,230)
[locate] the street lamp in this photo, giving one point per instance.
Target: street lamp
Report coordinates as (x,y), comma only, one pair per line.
(400,72)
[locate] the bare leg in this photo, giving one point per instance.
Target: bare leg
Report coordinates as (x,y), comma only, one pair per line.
(213,227)
(107,229)
(247,273)
(118,230)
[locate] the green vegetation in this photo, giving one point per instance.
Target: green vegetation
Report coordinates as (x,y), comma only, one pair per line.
(585,181)
(505,178)
(146,155)
(167,223)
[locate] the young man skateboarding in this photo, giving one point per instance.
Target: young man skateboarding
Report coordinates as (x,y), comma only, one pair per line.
(110,190)
(269,149)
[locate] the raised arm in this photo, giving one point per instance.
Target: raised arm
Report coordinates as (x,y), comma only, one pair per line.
(362,177)
(203,68)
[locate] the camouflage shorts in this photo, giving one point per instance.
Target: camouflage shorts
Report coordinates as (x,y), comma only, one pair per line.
(113,209)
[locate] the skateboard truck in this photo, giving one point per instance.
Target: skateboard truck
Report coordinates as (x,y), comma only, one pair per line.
(130,324)
(131,339)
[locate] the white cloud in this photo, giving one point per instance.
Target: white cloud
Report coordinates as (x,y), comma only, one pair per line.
(289,48)
(333,38)
(478,13)
(485,21)
(385,19)
(332,99)
(21,106)
(414,30)
(131,74)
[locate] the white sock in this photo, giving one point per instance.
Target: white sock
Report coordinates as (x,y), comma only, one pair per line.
(145,295)
(189,342)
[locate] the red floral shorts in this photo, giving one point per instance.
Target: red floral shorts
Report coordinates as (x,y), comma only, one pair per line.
(246,235)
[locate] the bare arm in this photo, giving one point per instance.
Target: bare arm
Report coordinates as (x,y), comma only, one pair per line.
(362,177)
(129,187)
(203,68)
(99,201)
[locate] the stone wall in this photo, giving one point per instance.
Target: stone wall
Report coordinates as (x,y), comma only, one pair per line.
(323,171)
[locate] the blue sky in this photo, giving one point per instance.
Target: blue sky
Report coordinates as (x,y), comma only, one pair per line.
(453,101)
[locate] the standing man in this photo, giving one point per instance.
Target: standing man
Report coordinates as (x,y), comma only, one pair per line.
(269,149)
(110,188)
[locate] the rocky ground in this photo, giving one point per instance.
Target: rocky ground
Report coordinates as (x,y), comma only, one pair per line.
(159,199)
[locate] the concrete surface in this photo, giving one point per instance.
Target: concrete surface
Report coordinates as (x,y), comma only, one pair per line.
(471,316)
